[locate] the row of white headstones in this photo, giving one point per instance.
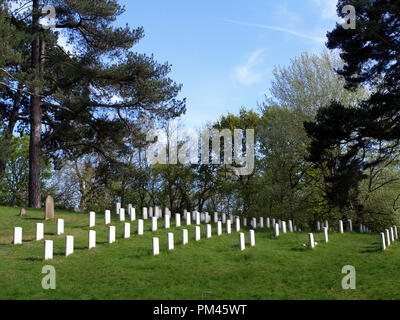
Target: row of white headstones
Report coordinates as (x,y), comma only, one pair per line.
(391,234)
(48,244)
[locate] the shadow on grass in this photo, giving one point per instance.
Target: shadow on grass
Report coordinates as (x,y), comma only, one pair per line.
(371,249)
(34,219)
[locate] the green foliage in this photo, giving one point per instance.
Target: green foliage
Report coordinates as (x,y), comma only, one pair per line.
(14,185)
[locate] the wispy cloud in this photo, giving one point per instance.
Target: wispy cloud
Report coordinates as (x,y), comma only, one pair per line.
(250,73)
(263,26)
(328,9)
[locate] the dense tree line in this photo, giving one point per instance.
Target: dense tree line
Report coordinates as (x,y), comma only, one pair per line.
(326,140)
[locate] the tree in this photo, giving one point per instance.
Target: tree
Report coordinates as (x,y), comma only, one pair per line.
(80,102)
(369,133)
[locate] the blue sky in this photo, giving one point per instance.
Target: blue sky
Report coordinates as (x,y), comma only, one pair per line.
(224,51)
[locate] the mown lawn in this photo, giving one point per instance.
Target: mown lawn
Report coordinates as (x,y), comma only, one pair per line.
(211,268)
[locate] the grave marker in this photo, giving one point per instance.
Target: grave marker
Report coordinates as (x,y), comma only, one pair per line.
(326,234)
(387,238)
(185,236)
(177,220)
(92,219)
(167,221)
(132,214)
(290,226)
(39,231)
(122,214)
(242,241)
(208,233)
(17,235)
(92,239)
(197,233)
(140,227)
(60,226)
(69,245)
(111,234)
(144,213)
(252,238)
(219,228)
(48,249)
(276,230)
(284,226)
(340,226)
(127,230)
(311,238)
(237,224)
(170,241)
(156,246)
(49,208)
(268,223)
(383,241)
(154,224)
(188,218)
(117,207)
(107,217)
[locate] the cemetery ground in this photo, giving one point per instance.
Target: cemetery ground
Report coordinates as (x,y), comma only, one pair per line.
(276,268)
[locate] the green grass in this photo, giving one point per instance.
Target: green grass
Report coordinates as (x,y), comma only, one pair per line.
(213,268)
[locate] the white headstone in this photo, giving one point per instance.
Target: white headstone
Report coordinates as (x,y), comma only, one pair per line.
(228,226)
(154,224)
(391,235)
(198,219)
(261,222)
(254,223)
(242,241)
(156,246)
(208,218)
(132,214)
(216,217)
(140,227)
(219,228)
(311,237)
(284,226)
(350,225)
(202,217)
(151,214)
(383,241)
(268,221)
(107,217)
(117,207)
(167,221)
(69,245)
(237,224)
(387,238)
(144,213)
(340,226)
(290,226)
(92,219)
(197,233)
(185,237)
(17,235)
(318,226)
(273,223)
(326,234)
(177,220)
(188,219)
(396,235)
(244,222)
(48,249)
(60,226)
(208,233)
(39,231)
(223,218)
(252,238)
(127,230)
(111,234)
(276,228)
(122,214)
(92,239)
(170,241)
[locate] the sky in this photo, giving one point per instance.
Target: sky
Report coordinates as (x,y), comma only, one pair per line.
(224,51)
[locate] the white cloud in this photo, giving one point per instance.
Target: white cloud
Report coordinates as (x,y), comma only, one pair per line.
(295,33)
(328,9)
(250,73)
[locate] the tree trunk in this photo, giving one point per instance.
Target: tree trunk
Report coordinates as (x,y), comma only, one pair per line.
(35,114)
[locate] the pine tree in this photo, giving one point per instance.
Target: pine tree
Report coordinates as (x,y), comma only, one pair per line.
(81,101)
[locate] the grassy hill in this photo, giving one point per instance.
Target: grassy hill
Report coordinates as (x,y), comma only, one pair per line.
(211,268)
